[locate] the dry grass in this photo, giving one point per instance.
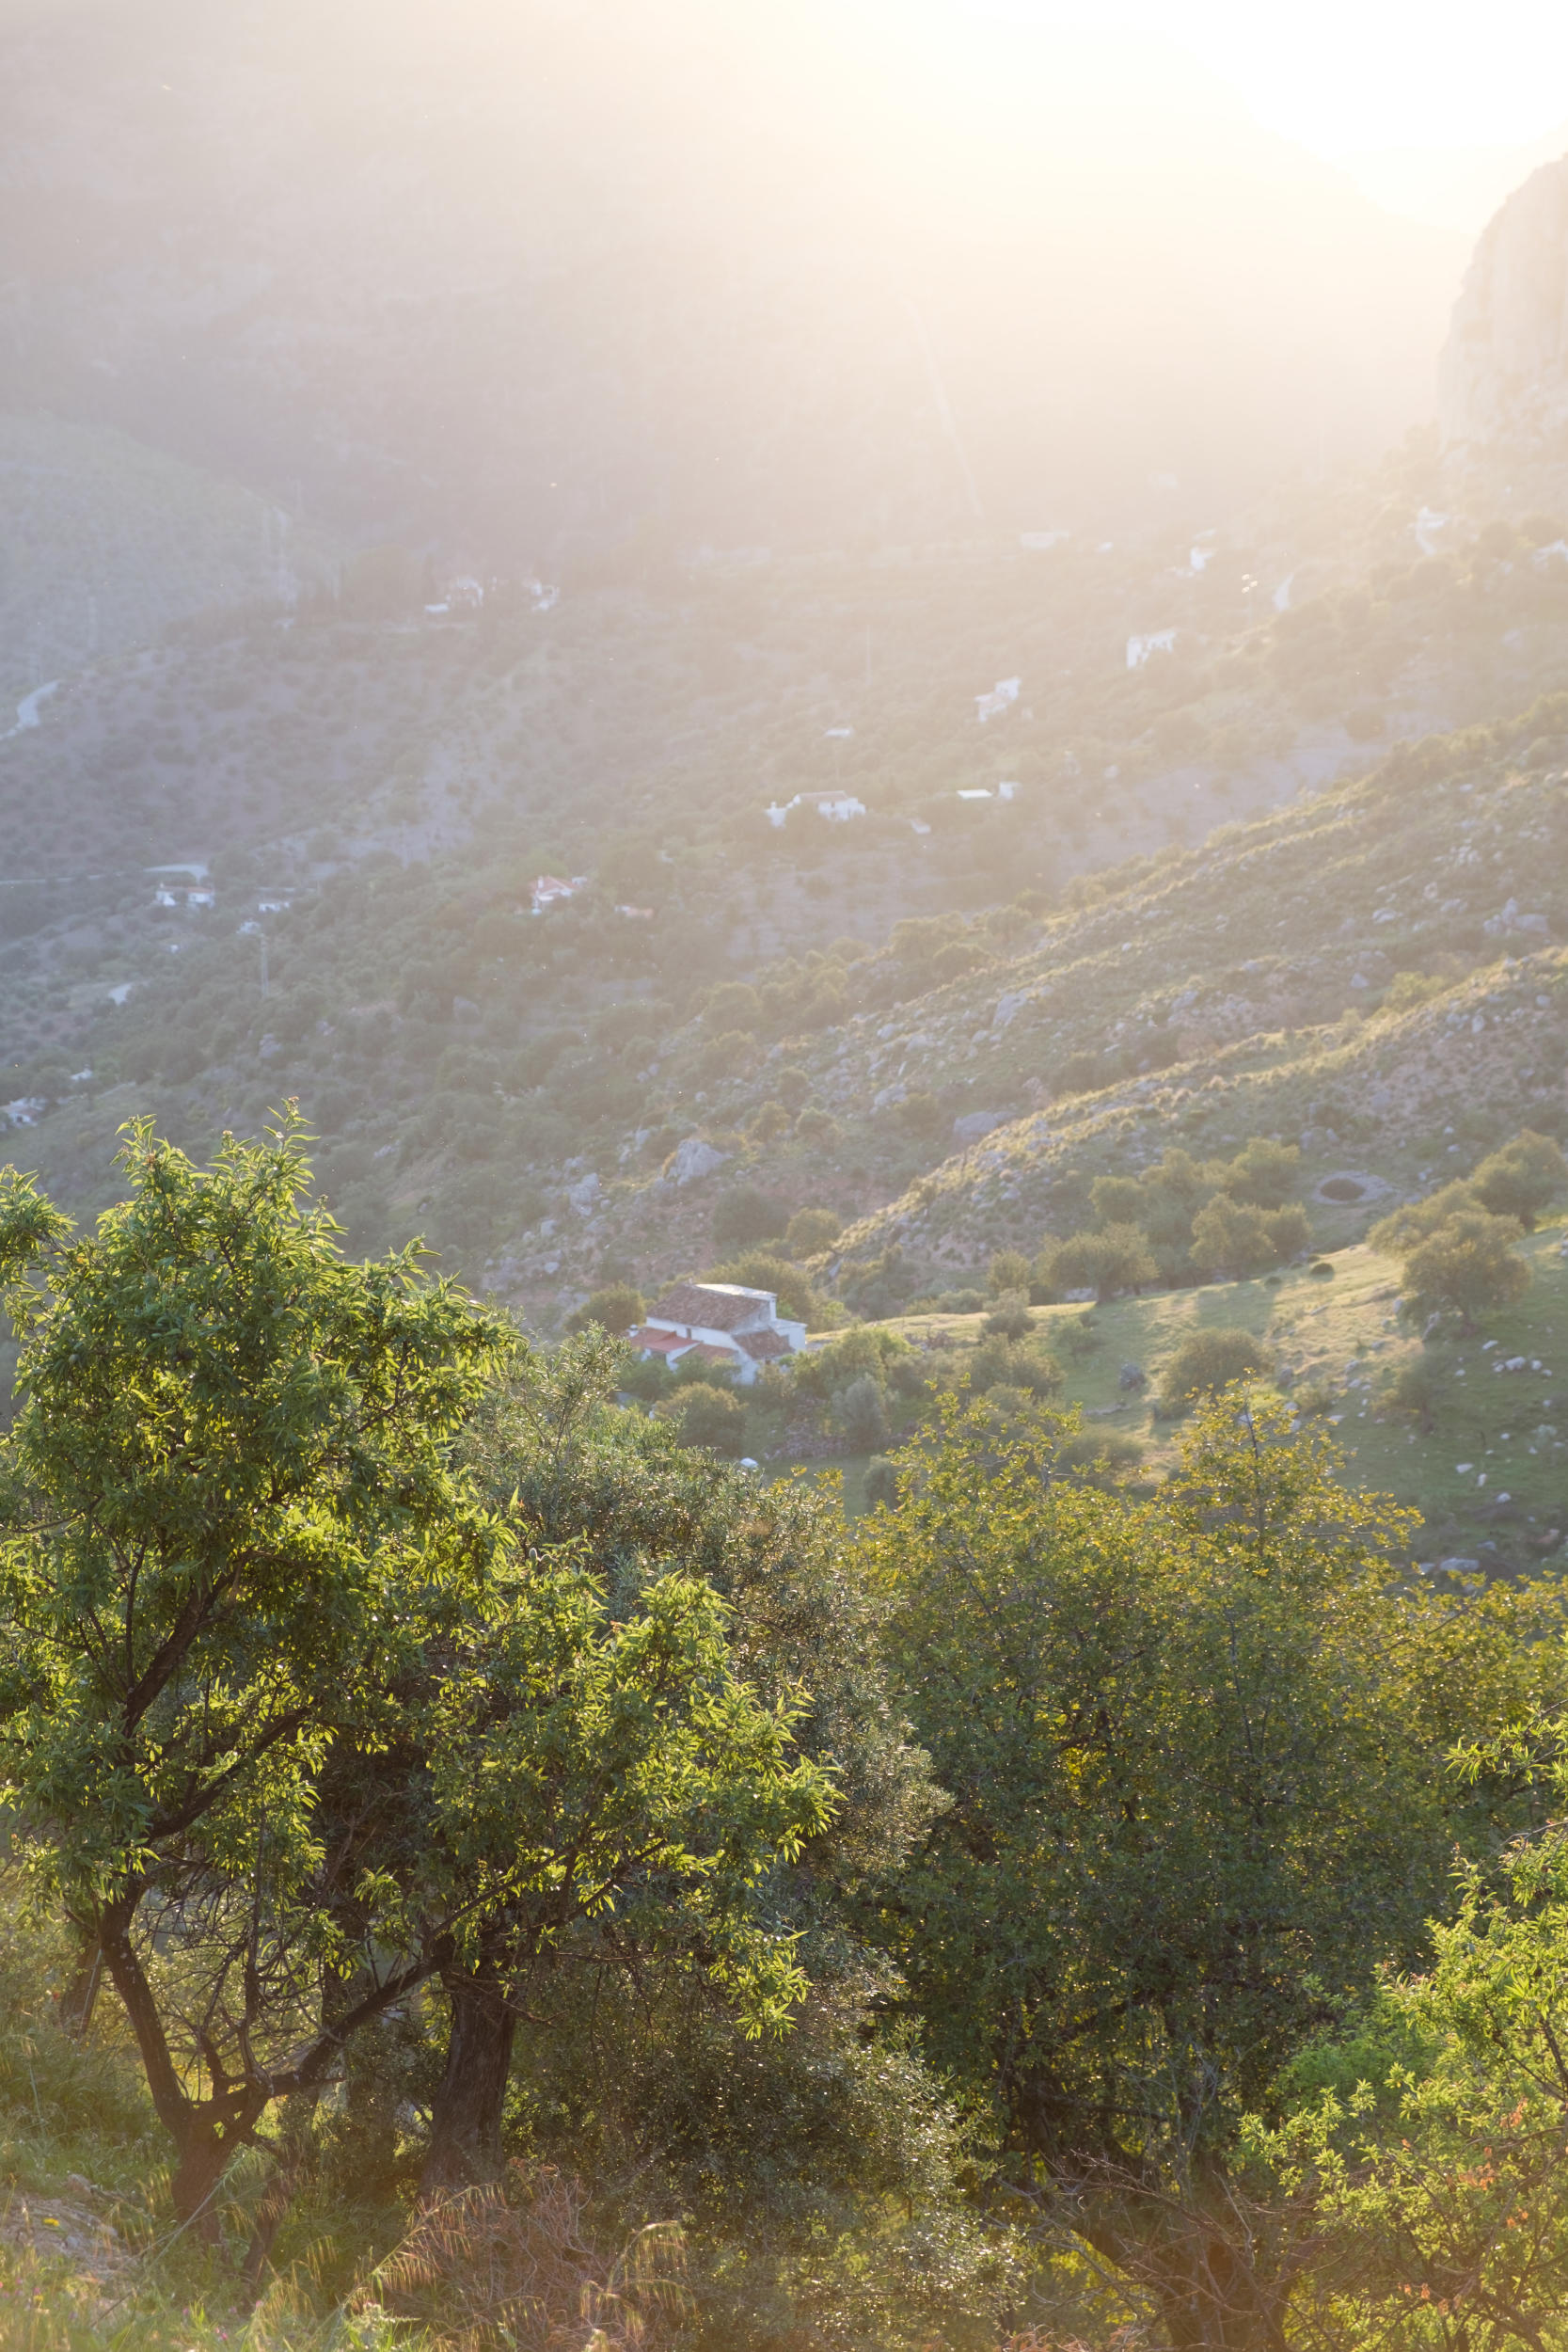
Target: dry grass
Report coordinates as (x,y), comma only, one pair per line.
(511,2264)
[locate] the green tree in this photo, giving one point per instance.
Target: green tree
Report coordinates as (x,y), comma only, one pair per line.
(1471,1264)
(1522,1179)
(617,1309)
(228,1513)
(1116,1258)
(810,1231)
(1195,1748)
(1235,1238)
(1428,2140)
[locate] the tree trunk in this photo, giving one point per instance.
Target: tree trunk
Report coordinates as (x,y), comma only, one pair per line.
(204,2160)
(465,2126)
(79,1995)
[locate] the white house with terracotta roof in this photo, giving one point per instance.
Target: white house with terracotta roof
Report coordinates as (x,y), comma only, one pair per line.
(721,1323)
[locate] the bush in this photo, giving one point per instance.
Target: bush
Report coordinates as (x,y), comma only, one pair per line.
(1398,1233)
(814,1125)
(881,1483)
(1100,1457)
(999,1362)
(617,1309)
(1468,1265)
(1009,1270)
(1264,1174)
(770,1123)
(1010,1317)
(724,1055)
(1521,1179)
(1116,1258)
(706,1416)
(1207,1362)
(810,1231)
(861,1410)
(746,1215)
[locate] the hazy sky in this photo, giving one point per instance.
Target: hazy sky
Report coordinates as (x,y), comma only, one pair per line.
(1351,79)
(1345,75)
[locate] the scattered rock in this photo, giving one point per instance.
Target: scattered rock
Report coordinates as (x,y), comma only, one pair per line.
(693,1159)
(975,1124)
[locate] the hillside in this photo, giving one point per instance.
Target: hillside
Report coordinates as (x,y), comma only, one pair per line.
(367,791)
(105,542)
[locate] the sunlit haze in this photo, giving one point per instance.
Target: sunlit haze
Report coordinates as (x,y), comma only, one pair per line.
(1426,105)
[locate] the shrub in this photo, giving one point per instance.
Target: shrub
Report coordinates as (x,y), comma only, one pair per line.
(999,1362)
(1264,1173)
(770,1123)
(729,1006)
(723,1056)
(861,1410)
(1521,1179)
(814,1125)
(794,1086)
(1100,1457)
(1206,1363)
(810,1230)
(1398,1233)
(1468,1265)
(881,1483)
(1010,1317)
(706,1416)
(746,1215)
(617,1309)
(1009,1270)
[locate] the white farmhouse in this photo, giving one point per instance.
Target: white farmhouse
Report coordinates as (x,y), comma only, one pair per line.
(725,1324)
(1140,649)
(1002,698)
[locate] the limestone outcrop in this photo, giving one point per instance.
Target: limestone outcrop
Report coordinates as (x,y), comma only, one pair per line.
(1502,379)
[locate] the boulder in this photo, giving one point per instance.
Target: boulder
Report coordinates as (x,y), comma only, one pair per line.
(693,1159)
(975,1124)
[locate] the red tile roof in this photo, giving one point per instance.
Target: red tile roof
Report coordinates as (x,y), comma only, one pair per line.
(718,1309)
(761,1346)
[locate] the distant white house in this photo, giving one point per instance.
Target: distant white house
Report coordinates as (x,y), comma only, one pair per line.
(548,890)
(1039,542)
(1427,524)
(1007,787)
(837,735)
(838,807)
(974,792)
(1002,698)
(722,1323)
(1139,649)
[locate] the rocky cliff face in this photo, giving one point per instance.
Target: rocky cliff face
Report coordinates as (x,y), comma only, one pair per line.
(1503,375)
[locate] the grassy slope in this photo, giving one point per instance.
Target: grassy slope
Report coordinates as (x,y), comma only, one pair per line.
(1341,1338)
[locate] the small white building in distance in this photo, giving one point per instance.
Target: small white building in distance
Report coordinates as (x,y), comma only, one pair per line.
(1002,698)
(1140,649)
(549,889)
(838,807)
(726,1325)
